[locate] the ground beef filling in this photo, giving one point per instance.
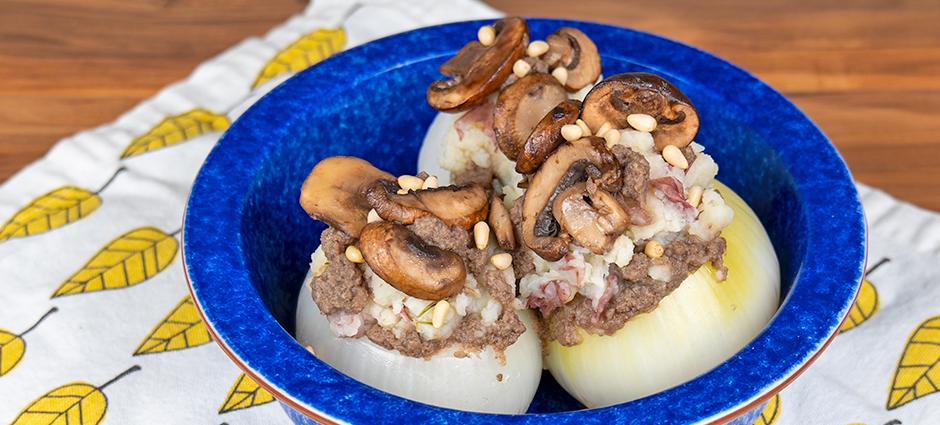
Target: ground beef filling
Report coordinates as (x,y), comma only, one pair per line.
(635,291)
(455,239)
(471,335)
(342,288)
(636,172)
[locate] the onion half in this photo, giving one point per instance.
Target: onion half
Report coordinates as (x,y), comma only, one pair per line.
(701,324)
(478,382)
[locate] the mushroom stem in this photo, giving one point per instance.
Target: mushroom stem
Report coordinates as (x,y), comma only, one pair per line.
(570,164)
(501,223)
(593,218)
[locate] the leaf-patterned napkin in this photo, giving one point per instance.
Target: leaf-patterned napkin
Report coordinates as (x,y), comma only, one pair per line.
(95,318)
(96,322)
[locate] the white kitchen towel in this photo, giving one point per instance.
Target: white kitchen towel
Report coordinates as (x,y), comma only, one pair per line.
(94,306)
(89,235)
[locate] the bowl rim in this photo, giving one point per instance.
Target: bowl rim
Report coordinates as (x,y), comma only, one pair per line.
(840,184)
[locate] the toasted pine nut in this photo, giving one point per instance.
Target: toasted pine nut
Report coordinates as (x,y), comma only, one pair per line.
(560,74)
(501,261)
(402,191)
(373,216)
(612,137)
(674,157)
(695,195)
(536,48)
(642,122)
(430,183)
(571,132)
(409,182)
(354,254)
(481,234)
(310,349)
(487,35)
(603,129)
(439,313)
(654,249)
(584,127)
(521,68)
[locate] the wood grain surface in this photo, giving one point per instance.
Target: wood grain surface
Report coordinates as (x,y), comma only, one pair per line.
(866,71)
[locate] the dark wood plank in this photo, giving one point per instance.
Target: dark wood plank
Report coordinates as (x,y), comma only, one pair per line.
(67,65)
(865,71)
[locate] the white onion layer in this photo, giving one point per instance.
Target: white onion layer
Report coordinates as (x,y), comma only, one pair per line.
(701,324)
(468,383)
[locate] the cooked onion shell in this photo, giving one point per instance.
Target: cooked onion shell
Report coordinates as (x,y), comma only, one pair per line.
(478,382)
(701,324)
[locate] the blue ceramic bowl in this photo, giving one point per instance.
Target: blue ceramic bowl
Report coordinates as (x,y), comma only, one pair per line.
(247,242)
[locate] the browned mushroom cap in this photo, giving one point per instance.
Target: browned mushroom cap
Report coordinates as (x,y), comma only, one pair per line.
(461,206)
(409,264)
(334,192)
(478,70)
(613,99)
(571,48)
(594,220)
(521,106)
(546,136)
(501,223)
(572,163)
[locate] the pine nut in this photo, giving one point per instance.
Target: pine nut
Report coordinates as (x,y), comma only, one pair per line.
(605,127)
(487,35)
(521,68)
(642,122)
(674,157)
(354,254)
(501,261)
(571,132)
(560,74)
(310,349)
(439,313)
(408,182)
(481,234)
(654,249)
(695,195)
(402,191)
(612,137)
(584,127)
(373,216)
(430,183)
(536,48)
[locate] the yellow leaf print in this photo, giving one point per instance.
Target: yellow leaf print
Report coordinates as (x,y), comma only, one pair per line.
(771,411)
(12,346)
(177,129)
(918,370)
(867,304)
(126,261)
(307,50)
(76,403)
(244,394)
(53,210)
(181,329)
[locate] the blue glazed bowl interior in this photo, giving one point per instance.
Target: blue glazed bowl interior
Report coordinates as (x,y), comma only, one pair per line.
(248,243)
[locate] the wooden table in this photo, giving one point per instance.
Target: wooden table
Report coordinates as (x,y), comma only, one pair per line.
(867,71)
